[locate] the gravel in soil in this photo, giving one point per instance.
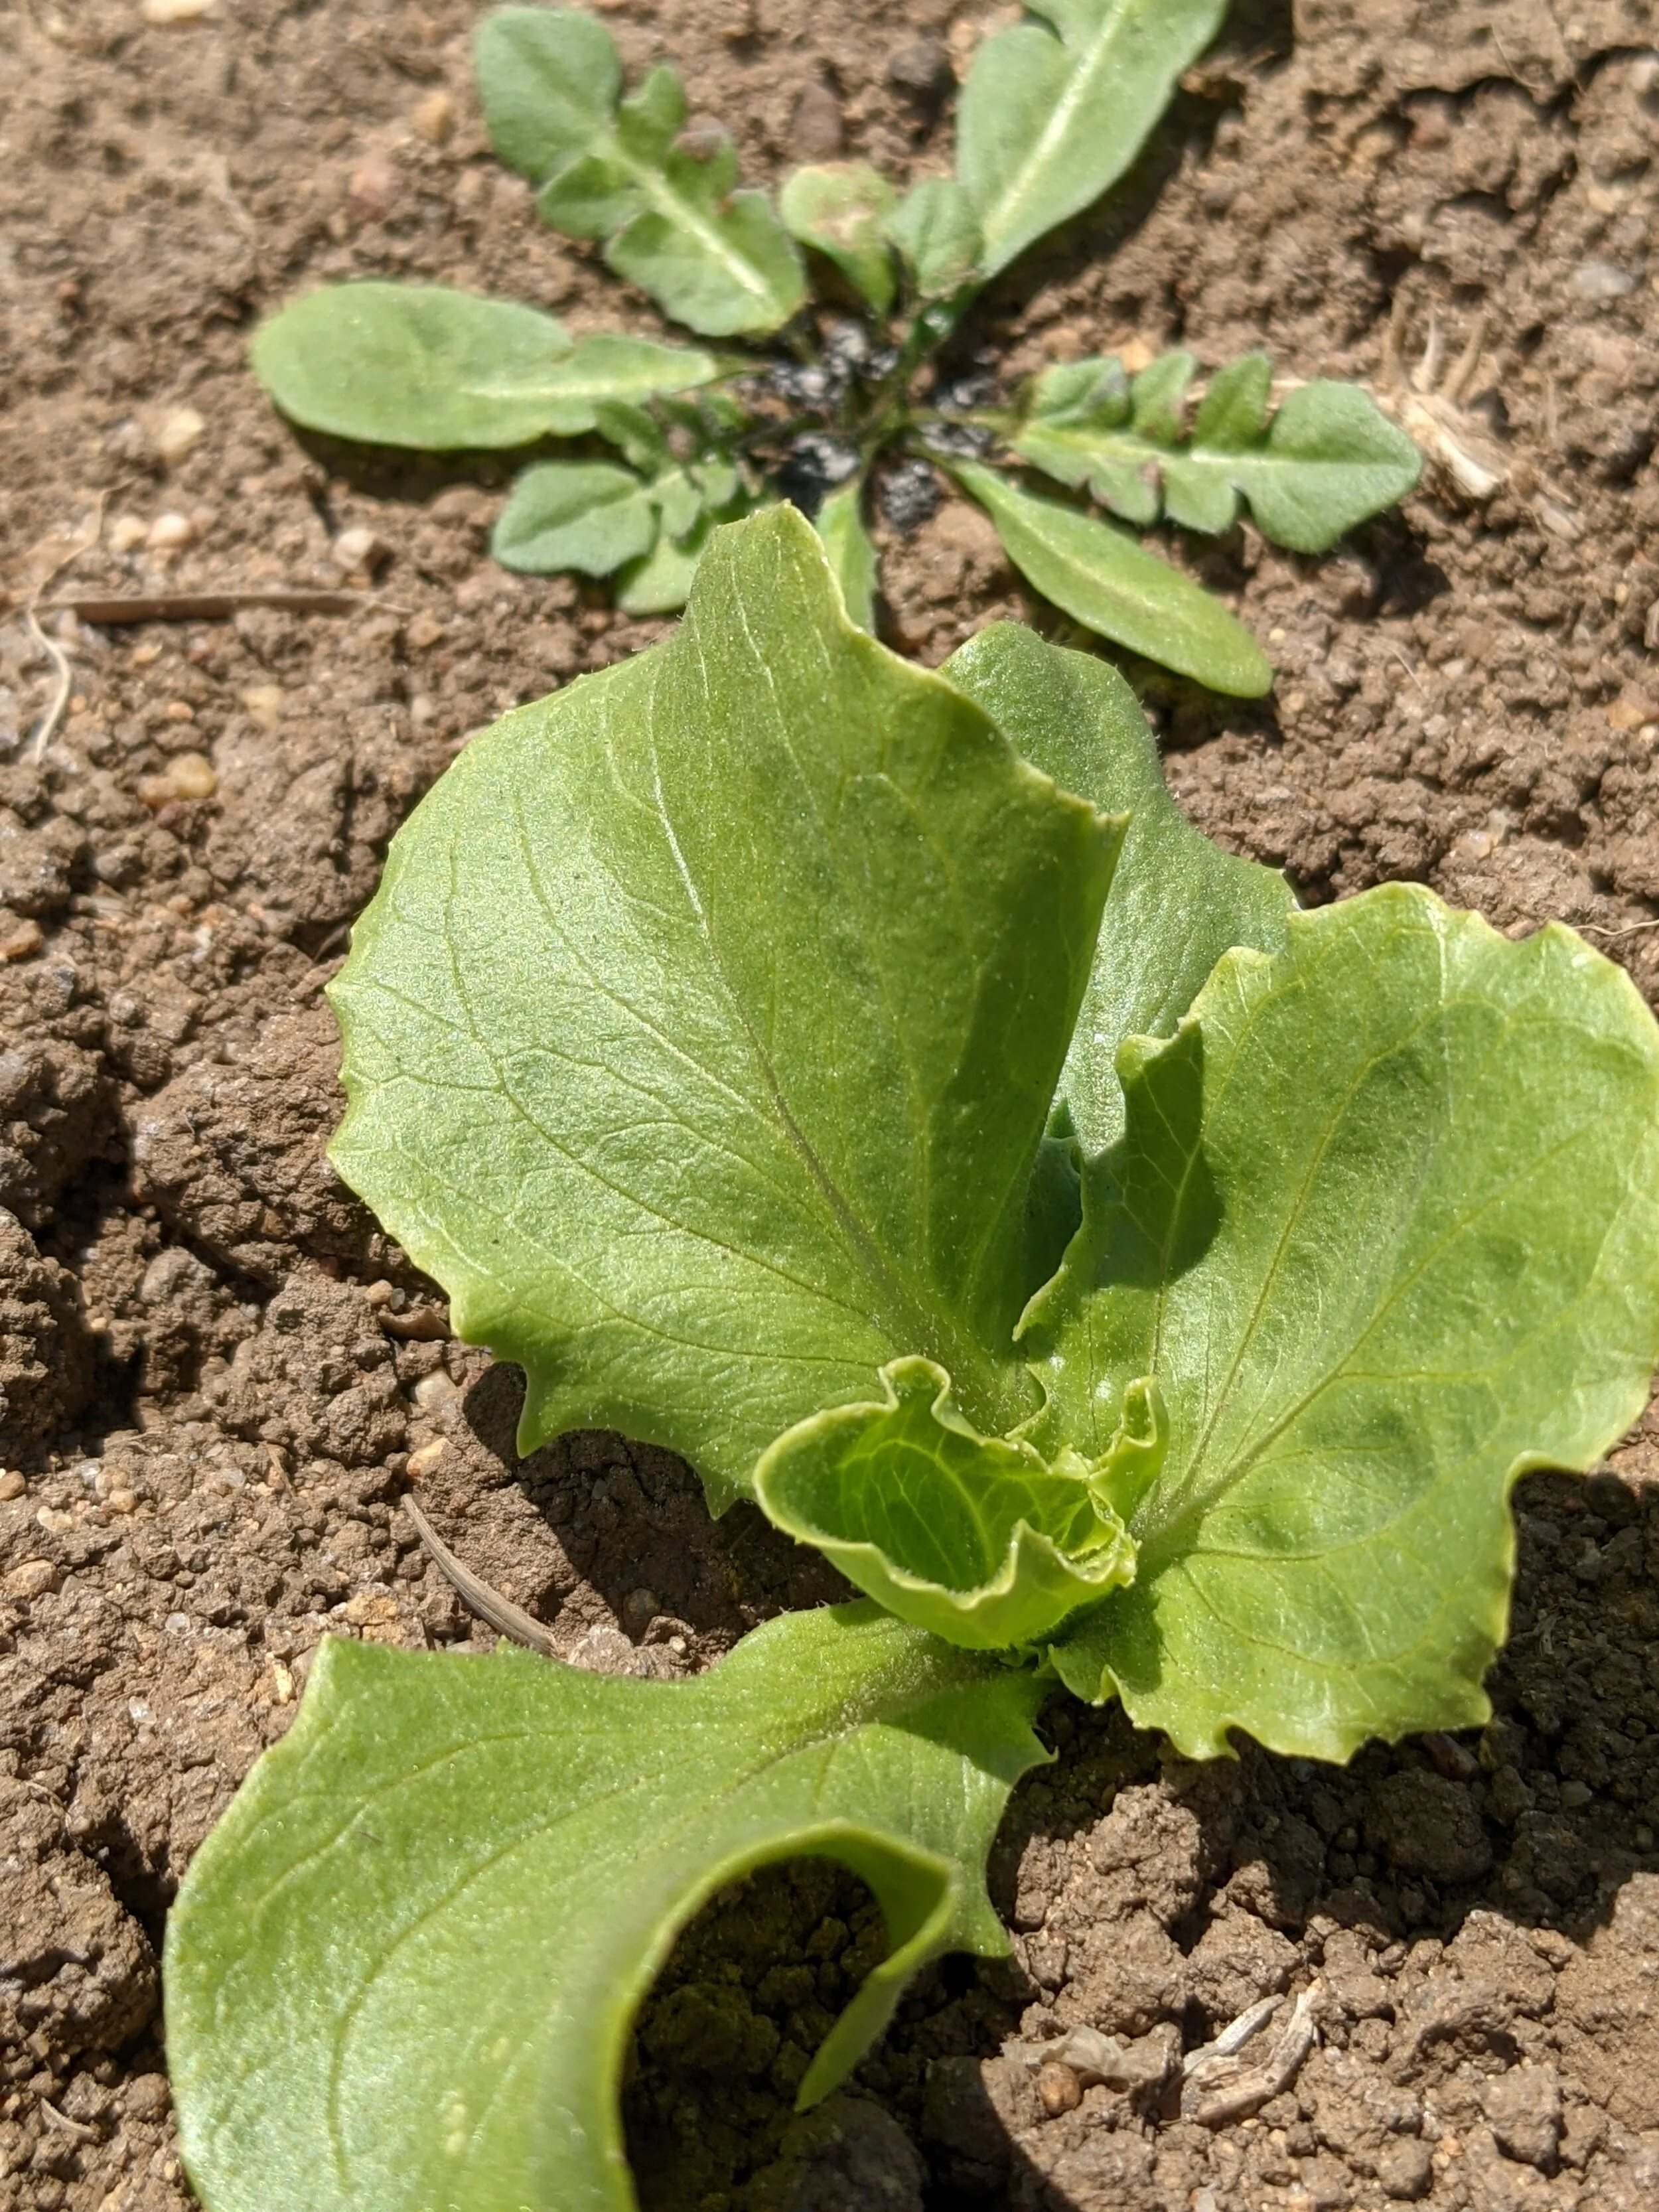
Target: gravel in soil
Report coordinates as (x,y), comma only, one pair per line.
(216,1377)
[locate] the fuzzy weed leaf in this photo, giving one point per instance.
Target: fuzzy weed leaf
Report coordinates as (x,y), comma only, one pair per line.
(1055,109)
(587,515)
(974,1538)
(1322,462)
(852,554)
(402,1971)
(664,199)
(1177,900)
(420,364)
(840,209)
(1384,1226)
(1110,584)
(693,1000)
(937,233)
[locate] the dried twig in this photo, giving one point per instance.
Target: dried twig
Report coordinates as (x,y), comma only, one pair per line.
(1219,2086)
(1601,929)
(500,1614)
(208,606)
(42,734)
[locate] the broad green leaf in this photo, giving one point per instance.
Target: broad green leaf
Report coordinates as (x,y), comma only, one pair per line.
(937,232)
(1384,1225)
(841,209)
(1324,462)
(627,171)
(1112,585)
(549,79)
(974,1538)
(588,515)
(402,1971)
(694,1000)
(852,555)
(660,583)
(420,364)
(1177,902)
(1055,110)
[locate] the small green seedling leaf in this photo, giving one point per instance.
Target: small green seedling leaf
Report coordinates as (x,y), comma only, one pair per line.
(1113,585)
(627,171)
(1384,1225)
(587,515)
(797,944)
(937,233)
(1327,459)
(1177,902)
(442,371)
(402,1971)
(1054,111)
(971,1537)
(852,555)
(840,209)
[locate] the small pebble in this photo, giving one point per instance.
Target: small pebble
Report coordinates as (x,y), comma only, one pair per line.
(180,431)
(373,188)
(175,11)
(424,630)
(126,533)
(19,941)
(923,68)
(358,549)
(265,702)
(11,1485)
(33,1579)
(435,1390)
(433,118)
(815,128)
(640,1608)
(170,533)
(1059,2088)
(1602,280)
(425,1457)
(186,776)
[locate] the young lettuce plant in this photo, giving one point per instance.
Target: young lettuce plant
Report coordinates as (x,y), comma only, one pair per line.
(864,1082)
(813,400)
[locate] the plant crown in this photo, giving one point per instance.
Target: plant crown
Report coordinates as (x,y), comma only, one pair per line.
(864,1082)
(822,402)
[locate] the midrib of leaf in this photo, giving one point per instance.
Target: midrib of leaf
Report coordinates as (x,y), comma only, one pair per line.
(907,1317)
(1030,171)
(655,184)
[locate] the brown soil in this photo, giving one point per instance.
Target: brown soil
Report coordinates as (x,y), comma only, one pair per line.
(215,1369)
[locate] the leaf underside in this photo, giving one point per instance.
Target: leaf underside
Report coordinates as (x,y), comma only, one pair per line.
(1384,1224)
(1326,460)
(403,1969)
(796,946)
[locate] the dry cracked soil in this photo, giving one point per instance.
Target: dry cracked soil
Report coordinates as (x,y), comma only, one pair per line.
(216,1377)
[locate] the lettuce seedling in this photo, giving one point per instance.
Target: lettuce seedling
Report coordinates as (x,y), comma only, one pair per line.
(865,1082)
(814,400)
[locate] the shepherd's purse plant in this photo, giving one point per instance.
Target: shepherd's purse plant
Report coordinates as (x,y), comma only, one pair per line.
(813,400)
(865,1082)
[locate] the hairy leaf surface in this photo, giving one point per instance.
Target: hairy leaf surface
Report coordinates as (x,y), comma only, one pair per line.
(1106,581)
(974,1538)
(1326,460)
(589,515)
(443,371)
(1384,1225)
(841,208)
(701,1038)
(662,199)
(1055,109)
(936,230)
(403,1969)
(1177,900)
